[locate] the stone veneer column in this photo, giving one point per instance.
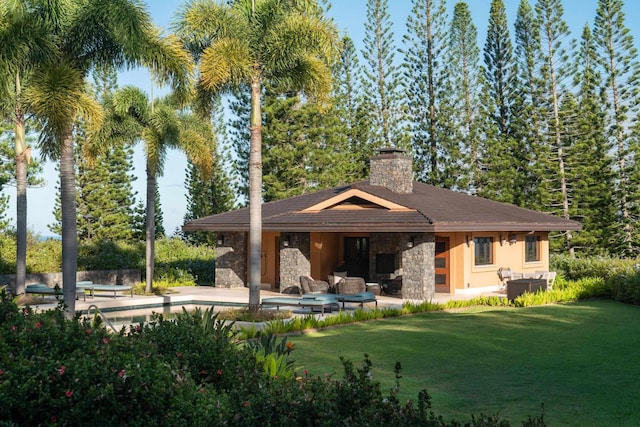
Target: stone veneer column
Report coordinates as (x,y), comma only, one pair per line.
(231,260)
(418,268)
(295,261)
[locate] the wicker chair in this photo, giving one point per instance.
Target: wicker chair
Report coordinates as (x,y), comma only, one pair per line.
(311,286)
(351,285)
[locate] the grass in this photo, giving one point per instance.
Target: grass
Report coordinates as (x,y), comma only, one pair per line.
(580,360)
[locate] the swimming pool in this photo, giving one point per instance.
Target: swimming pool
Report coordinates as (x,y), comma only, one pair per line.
(136,314)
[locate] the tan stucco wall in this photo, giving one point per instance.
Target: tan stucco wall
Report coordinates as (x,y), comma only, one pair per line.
(465,274)
(268,263)
(324,254)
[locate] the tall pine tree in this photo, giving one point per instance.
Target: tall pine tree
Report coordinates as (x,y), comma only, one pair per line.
(464,58)
(213,195)
(554,32)
(382,79)
(425,72)
(590,175)
(350,109)
(619,60)
(505,159)
(528,119)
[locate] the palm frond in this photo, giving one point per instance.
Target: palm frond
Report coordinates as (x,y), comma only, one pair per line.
(24,42)
(299,35)
(170,63)
(90,110)
(227,62)
(311,76)
(199,22)
(108,32)
(133,102)
(153,151)
(115,130)
(198,147)
(53,95)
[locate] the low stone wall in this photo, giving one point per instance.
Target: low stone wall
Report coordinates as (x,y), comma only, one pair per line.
(105,277)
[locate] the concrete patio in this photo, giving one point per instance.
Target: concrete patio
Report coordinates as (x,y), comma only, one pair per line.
(220,298)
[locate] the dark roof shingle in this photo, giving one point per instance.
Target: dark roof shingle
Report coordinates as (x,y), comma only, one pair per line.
(432,209)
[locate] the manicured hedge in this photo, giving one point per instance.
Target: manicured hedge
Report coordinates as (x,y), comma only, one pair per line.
(621,277)
(176,261)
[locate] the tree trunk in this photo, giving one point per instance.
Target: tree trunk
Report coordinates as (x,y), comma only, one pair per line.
(150,229)
(21,198)
(69,227)
(255,194)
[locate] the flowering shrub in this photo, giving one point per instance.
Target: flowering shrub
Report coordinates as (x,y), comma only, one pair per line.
(190,371)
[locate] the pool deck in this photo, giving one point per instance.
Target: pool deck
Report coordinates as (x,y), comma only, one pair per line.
(225,297)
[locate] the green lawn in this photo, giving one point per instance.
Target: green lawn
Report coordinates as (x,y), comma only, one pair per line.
(581,360)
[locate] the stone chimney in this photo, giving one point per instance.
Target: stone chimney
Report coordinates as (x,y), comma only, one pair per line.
(392,169)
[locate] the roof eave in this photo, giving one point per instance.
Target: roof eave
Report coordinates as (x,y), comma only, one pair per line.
(388,227)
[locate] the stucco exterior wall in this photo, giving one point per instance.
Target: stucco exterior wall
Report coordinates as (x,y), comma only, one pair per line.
(268,259)
(508,251)
(324,254)
(231,260)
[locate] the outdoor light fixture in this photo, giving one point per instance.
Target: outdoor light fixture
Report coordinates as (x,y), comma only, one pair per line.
(285,242)
(512,239)
(503,240)
(220,240)
(469,240)
(410,242)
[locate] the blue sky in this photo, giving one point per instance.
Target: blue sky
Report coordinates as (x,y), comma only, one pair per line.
(350,16)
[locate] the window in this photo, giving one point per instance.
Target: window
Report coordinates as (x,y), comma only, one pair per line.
(483,247)
(531,248)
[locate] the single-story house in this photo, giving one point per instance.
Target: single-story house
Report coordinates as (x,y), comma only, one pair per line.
(437,240)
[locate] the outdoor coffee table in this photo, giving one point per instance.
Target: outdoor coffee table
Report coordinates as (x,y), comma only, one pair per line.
(373,288)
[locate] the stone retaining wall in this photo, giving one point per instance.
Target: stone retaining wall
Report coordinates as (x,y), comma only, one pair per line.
(105,277)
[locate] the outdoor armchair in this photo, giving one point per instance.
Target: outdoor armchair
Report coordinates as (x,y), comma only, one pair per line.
(311,286)
(351,285)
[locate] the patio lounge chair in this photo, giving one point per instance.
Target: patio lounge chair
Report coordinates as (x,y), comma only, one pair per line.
(351,286)
(311,286)
(110,288)
(359,298)
(323,301)
(42,289)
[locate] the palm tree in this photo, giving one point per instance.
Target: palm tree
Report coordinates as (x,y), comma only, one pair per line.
(23,44)
(160,125)
(242,43)
(86,34)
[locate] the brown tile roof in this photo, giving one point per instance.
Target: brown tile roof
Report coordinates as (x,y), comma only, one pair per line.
(432,209)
